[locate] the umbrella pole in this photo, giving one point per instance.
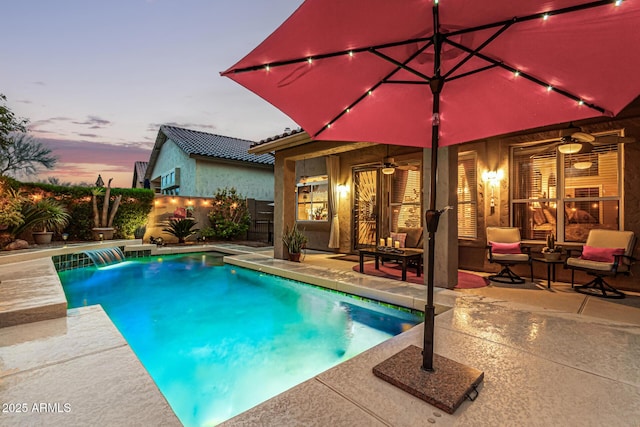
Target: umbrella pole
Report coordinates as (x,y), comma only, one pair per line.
(432,215)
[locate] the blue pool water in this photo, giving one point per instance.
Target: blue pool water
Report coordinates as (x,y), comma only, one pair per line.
(219,339)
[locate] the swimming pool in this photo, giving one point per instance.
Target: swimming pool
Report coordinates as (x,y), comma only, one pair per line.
(219,339)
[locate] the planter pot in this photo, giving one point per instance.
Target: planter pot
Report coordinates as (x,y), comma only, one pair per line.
(294,257)
(552,256)
(107,233)
(42,237)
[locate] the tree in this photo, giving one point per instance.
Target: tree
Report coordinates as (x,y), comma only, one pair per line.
(23,154)
(9,123)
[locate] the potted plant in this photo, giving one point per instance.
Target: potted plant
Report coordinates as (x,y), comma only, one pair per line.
(43,218)
(103,225)
(294,240)
(552,252)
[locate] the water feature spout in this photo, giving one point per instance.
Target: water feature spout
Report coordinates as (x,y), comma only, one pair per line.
(106,256)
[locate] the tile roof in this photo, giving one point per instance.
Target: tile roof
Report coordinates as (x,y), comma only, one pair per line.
(199,143)
(287,132)
(140,169)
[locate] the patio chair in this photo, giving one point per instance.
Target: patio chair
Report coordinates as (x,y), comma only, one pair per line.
(505,248)
(605,253)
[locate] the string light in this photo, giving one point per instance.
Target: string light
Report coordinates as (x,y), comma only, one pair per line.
(266,67)
(618,2)
(545,16)
(370,93)
(516,73)
(348,110)
(581,102)
(351,53)
(309,60)
(549,88)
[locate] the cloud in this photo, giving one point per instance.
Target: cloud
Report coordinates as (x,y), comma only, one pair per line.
(94,122)
(46,122)
(82,161)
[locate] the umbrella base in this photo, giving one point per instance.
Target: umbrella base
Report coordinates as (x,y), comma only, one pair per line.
(446,387)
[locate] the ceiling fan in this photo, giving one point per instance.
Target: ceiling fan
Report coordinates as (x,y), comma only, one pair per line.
(388,165)
(574,141)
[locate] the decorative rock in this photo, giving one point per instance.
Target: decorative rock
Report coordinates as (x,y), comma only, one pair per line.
(17,244)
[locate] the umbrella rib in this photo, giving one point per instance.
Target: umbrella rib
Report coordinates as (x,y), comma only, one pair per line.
(531,17)
(530,78)
(385,79)
(478,49)
(468,73)
(400,65)
(326,55)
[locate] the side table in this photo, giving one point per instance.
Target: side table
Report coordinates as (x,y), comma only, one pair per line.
(551,268)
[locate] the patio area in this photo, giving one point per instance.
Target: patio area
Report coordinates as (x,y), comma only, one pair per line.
(550,357)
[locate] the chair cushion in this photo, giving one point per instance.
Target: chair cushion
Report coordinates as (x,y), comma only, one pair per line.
(503,234)
(591,253)
(505,248)
(509,257)
(586,264)
(399,237)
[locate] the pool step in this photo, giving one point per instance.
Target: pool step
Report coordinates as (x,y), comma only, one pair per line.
(30,291)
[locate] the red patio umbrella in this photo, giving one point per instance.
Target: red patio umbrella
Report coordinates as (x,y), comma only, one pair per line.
(427,73)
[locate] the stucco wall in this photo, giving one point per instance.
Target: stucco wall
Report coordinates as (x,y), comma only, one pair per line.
(202,177)
(170,157)
(252,181)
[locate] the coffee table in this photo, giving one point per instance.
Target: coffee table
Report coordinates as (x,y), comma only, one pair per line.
(551,268)
(403,255)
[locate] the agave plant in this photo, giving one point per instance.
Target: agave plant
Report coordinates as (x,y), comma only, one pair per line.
(181,228)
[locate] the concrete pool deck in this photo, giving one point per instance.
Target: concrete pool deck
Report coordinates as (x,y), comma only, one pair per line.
(550,357)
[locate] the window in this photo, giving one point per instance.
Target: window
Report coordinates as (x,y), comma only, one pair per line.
(467,202)
(313,198)
(170,182)
(567,195)
(405,197)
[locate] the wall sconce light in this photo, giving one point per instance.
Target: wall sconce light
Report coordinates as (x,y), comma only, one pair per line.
(493,178)
(343,189)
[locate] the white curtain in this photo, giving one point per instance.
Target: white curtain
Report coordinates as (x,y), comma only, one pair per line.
(333,170)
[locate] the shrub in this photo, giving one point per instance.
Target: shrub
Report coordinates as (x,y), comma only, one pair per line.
(181,228)
(133,211)
(229,215)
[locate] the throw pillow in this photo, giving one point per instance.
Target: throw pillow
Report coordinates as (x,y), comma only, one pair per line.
(551,218)
(414,236)
(592,253)
(505,248)
(400,237)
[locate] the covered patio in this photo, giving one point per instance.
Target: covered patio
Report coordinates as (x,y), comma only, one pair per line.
(371,204)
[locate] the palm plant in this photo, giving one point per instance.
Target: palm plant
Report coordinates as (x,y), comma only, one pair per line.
(181,228)
(43,216)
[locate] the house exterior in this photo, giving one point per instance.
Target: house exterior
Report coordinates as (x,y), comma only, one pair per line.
(139,171)
(192,163)
(520,180)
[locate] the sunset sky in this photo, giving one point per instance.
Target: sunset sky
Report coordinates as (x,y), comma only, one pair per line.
(96,79)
